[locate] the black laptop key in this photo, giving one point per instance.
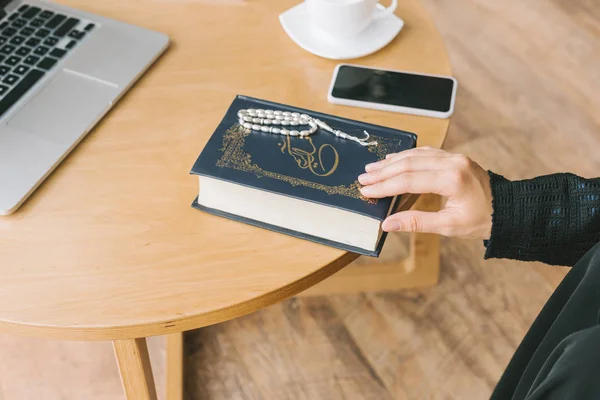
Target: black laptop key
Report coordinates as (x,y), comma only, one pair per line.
(17,40)
(10,79)
(3,90)
(7,49)
(13,60)
(41,50)
(4,25)
(71,44)
(51,41)
(37,22)
(66,27)
(21,70)
(31,12)
(19,23)
(23,51)
(46,14)
(47,63)
(77,34)
(55,21)
(3,39)
(31,60)
(18,91)
(42,33)
(27,31)
(89,27)
(23,8)
(58,53)
(8,32)
(4,70)
(2,58)
(13,17)
(32,42)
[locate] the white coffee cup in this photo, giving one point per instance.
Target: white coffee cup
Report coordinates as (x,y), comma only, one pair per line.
(343,19)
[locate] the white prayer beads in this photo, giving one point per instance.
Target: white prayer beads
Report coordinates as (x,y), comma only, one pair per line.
(262,120)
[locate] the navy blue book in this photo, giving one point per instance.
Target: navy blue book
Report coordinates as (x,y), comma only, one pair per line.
(301,186)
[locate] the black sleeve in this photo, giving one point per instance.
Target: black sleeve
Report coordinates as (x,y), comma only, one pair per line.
(554,218)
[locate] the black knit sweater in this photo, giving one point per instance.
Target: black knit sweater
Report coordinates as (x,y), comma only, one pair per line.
(554,218)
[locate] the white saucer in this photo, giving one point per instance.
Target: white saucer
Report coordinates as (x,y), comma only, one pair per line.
(377,35)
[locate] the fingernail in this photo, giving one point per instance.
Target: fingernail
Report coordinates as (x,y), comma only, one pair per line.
(363,178)
(371,167)
(390,226)
(366,191)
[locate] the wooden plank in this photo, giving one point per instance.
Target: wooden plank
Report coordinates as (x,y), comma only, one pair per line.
(174,344)
(357,278)
(279,347)
(135,369)
(214,367)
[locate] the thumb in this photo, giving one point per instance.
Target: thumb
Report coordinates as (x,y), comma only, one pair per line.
(414,221)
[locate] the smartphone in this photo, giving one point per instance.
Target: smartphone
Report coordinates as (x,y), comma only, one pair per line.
(391,90)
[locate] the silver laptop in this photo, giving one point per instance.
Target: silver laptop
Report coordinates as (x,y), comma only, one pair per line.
(61,70)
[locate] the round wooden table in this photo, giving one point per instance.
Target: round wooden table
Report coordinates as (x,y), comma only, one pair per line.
(108,248)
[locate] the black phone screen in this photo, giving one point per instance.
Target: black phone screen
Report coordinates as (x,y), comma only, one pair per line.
(393,88)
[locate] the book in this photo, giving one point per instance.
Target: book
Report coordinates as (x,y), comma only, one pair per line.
(305,187)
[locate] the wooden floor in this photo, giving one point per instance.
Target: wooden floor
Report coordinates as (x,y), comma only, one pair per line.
(529,104)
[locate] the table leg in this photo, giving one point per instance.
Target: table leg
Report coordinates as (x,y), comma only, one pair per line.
(175,366)
(425,247)
(134,365)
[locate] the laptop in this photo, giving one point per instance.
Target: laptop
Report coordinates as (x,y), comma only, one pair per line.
(61,70)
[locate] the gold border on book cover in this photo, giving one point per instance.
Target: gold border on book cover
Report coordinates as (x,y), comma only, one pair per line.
(235,157)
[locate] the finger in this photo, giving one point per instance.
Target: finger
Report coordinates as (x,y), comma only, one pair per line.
(418,152)
(408,164)
(425,149)
(416,221)
(438,182)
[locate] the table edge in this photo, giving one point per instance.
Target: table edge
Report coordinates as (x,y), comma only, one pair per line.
(184,323)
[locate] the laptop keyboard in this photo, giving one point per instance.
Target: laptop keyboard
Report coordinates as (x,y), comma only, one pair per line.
(32,41)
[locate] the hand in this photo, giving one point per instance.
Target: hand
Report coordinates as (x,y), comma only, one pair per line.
(468,209)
